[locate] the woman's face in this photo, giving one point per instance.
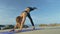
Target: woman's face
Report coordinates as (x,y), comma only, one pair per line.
(27,9)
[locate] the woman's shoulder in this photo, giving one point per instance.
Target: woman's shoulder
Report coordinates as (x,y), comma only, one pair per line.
(23,13)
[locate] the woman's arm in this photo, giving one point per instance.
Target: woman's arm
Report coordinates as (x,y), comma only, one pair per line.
(23,20)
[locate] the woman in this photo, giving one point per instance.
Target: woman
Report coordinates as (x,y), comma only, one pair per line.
(20,20)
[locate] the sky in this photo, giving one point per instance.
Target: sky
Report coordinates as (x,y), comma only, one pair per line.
(47,12)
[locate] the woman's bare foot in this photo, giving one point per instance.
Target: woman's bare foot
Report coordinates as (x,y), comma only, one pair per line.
(11,30)
(33,27)
(18,31)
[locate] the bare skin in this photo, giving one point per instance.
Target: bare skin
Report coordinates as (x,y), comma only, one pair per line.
(21,23)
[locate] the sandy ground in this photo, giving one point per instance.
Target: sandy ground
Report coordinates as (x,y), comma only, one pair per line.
(46,30)
(52,31)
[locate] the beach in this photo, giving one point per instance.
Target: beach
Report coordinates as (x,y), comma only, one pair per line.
(43,30)
(52,31)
